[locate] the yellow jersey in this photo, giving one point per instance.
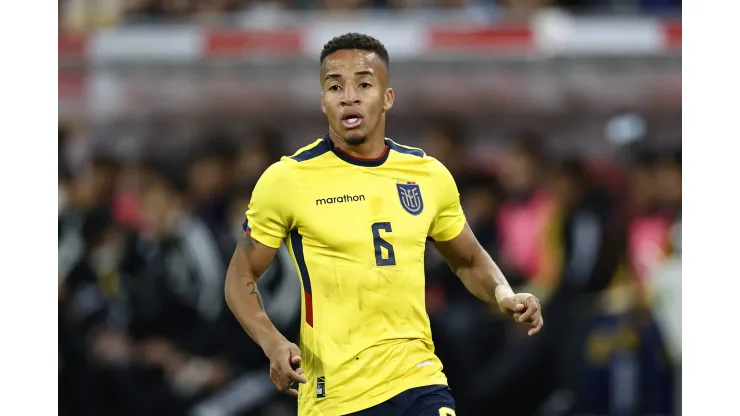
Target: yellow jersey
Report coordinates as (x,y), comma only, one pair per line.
(357,230)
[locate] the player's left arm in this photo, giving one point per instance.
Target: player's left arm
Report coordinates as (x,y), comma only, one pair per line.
(472,264)
(484,279)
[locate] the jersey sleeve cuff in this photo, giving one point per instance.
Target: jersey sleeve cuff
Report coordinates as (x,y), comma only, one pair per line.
(450,232)
(262,237)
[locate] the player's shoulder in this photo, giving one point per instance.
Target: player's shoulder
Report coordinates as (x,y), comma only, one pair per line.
(412,152)
(308,153)
(287,165)
(418,155)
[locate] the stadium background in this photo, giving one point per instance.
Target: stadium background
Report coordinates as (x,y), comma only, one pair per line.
(561,121)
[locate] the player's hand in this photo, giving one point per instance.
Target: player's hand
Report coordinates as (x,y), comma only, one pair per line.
(283,356)
(525,309)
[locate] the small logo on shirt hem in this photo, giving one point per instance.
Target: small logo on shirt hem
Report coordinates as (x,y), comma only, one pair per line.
(320,387)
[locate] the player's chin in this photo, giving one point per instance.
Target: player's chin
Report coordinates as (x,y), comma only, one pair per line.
(354,137)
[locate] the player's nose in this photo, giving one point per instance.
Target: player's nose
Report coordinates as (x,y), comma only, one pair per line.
(350,96)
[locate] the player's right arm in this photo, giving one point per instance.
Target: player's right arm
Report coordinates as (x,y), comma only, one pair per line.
(249,261)
(268,220)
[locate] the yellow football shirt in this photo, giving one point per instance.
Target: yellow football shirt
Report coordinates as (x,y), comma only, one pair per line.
(357,231)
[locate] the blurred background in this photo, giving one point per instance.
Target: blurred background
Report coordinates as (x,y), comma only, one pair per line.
(560,119)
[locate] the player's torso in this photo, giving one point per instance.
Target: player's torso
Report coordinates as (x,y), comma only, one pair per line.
(363,233)
(359,238)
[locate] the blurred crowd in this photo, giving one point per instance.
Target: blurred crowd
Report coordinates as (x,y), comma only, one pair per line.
(76,14)
(194,6)
(144,245)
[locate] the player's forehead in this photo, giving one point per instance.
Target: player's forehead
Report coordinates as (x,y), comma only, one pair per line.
(350,61)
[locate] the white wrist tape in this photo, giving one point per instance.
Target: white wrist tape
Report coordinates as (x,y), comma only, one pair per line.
(503,291)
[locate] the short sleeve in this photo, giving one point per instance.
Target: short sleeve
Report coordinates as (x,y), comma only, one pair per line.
(269,218)
(449,219)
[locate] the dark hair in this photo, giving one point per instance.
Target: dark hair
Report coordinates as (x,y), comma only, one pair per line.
(355,41)
(271,142)
(162,174)
(215,147)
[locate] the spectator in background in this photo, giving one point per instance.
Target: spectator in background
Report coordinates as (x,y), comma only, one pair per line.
(650,246)
(643,194)
(668,177)
(88,288)
(132,177)
(173,278)
(590,244)
(179,245)
(209,180)
(589,227)
(481,198)
(624,336)
(447,140)
(656,196)
(90,190)
(104,174)
(525,221)
(464,328)
(255,155)
(556,235)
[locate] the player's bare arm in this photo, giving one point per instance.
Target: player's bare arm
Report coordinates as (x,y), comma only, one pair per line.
(249,261)
(483,278)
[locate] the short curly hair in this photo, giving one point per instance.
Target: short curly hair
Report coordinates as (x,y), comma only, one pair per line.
(355,41)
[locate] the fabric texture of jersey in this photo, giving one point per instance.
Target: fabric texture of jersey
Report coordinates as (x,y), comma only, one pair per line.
(357,232)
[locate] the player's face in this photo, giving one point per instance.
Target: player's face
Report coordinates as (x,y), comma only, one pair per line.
(355,94)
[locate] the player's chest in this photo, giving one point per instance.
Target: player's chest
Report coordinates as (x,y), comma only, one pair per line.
(359,209)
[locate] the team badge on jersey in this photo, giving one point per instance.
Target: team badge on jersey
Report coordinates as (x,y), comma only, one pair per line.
(410,196)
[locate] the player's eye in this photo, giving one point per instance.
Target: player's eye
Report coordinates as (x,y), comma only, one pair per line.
(334,87)
(365,85)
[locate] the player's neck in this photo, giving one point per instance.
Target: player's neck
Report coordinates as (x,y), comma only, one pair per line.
(372,148)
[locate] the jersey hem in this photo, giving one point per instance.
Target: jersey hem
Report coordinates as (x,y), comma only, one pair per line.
(366,404)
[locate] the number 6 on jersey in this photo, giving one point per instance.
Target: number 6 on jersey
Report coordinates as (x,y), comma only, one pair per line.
(379,243)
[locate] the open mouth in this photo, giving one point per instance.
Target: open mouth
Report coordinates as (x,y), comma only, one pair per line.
(351,121)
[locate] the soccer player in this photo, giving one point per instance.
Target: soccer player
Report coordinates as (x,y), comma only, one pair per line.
(356,209)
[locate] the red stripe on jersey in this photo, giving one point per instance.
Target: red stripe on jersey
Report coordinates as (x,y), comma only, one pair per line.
(309,309)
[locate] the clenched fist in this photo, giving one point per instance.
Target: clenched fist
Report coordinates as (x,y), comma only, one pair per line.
(524,308)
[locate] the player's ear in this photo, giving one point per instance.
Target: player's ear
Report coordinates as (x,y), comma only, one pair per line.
(389,97)
(323,107)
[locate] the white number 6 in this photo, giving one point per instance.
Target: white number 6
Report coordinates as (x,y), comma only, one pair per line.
(446,411)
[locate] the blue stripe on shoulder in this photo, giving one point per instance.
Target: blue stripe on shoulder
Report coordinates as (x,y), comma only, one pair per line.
(313,152)
(405,150)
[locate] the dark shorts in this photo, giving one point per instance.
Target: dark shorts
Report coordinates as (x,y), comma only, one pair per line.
(422,401)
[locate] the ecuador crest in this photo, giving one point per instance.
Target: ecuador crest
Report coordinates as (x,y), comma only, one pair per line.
(410,196)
